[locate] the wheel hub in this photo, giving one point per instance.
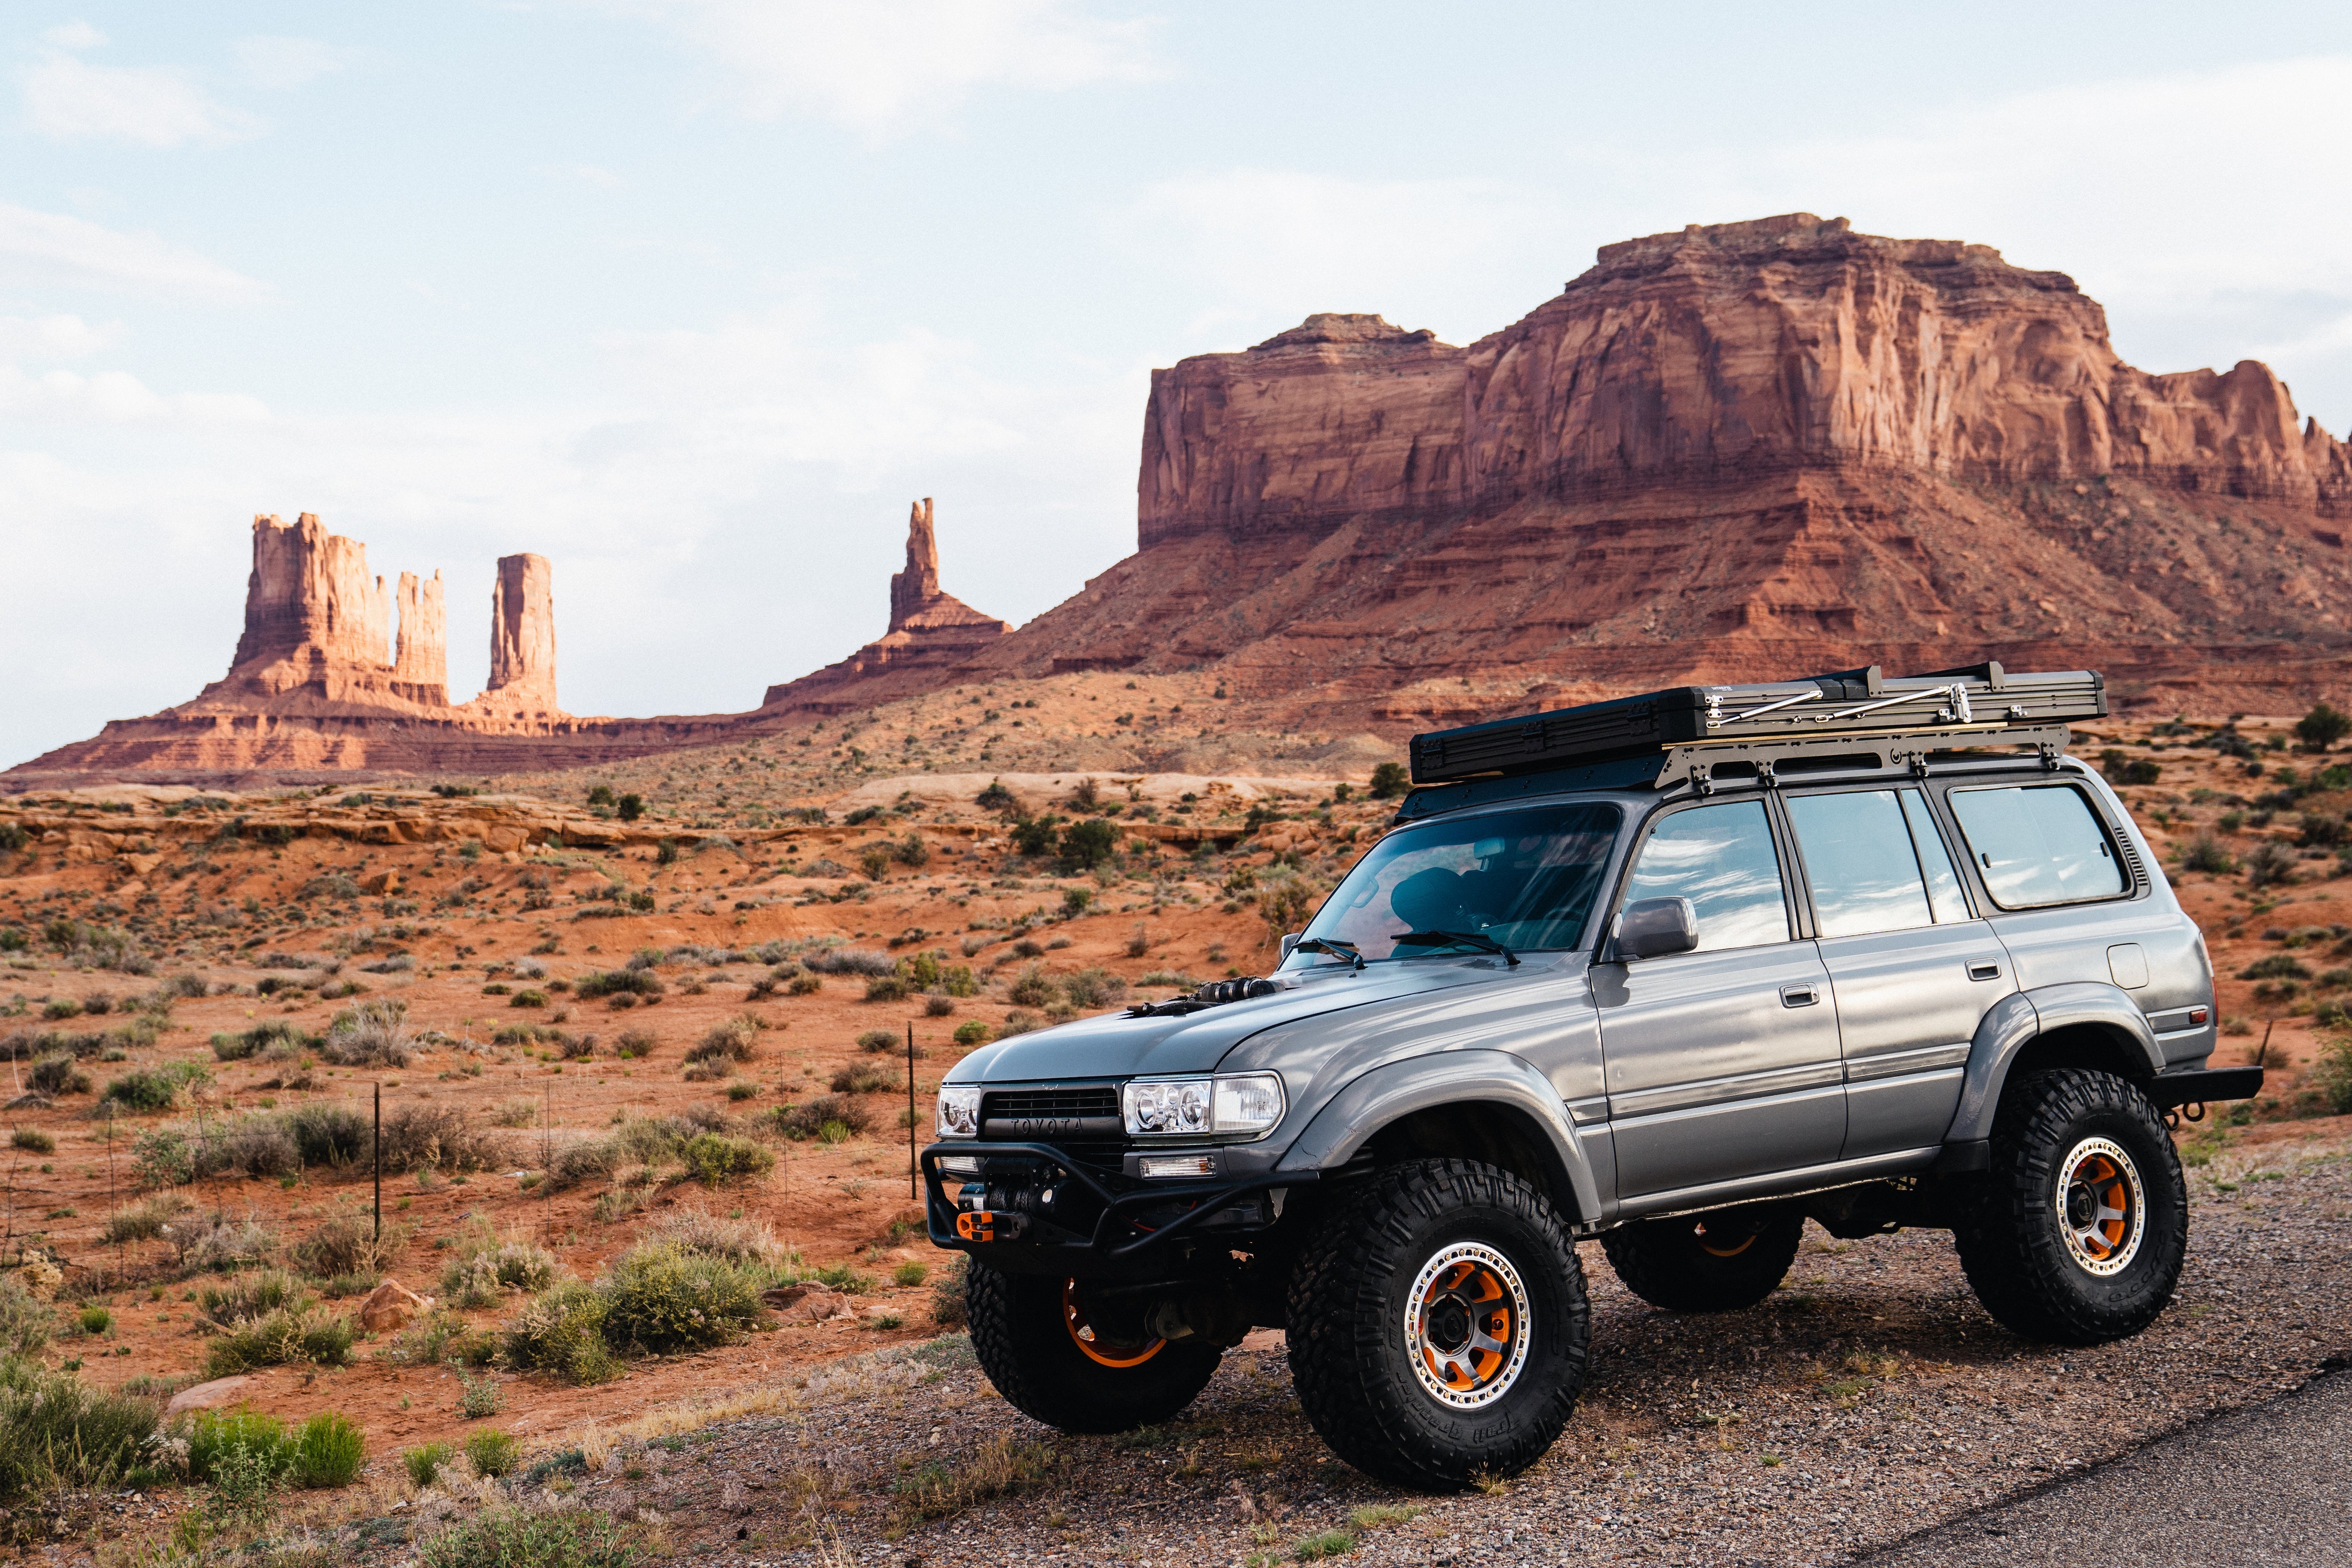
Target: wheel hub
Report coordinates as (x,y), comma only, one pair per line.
(2102,1206)
(1093,1344)
(1466,1325)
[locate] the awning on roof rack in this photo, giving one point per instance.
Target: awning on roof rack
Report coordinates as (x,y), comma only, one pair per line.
(1983,700)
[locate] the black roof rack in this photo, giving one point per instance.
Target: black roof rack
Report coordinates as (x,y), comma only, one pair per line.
(1662,735)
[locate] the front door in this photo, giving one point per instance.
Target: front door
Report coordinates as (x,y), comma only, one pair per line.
(1722,1062)
(1914,971)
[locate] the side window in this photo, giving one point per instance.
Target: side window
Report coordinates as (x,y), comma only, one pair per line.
(1860,861)
(2037,844)
(1934,860)
(1720,858)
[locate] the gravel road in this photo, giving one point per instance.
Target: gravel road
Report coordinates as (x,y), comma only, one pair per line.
(1868,1401)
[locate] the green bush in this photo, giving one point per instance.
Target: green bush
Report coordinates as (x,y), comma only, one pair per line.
(278,1339)
(630,807)
(714,1157)
(328,1449)
(809,1118)
(56,1075)
(1033,836)
(520,1538)
(2205,854)
(881,1040)
(660,1297)
(862,1078)
(888,988)
(33,1141)
(95,1318)
(477,1278)
(330,1135)
(1088,844)
(1032,988)
(278,1031)
(736,1038)
(217,1434)
(2331,1075)
(254,1294)
(162,1157)
(561,1331)
(494,1452)
(2322,727)
(611,982)
(143,1220)
(56,1434)
(424,1461)
(154,1089)
(2274,967)
(1390,780)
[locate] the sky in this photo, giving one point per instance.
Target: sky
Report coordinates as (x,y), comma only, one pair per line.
(693,297)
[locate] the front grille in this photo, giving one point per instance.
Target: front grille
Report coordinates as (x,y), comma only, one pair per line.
(1096,1100)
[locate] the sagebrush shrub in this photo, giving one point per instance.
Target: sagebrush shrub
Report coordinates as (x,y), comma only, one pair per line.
(58,1435)
(561,1331)
(371,1034)
(711,1158)
(807,1119)
(328,1449)
(661,1298)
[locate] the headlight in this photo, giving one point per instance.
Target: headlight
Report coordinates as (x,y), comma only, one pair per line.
(959,1111)
(1244,1104)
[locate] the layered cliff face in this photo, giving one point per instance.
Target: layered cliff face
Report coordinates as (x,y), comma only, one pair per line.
(1735,452)
(522,641)
(931,634)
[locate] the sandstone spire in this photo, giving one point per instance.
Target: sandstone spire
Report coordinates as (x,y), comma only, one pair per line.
(309,592)
(914,588)
(420,665)
(522,632)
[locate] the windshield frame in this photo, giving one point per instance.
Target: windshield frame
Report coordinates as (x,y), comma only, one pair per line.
(1606,807)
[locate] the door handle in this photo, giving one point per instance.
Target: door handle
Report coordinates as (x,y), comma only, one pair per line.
(1983,969)
(1799,996)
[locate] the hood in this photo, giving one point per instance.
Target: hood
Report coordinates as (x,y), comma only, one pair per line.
(1116,1046)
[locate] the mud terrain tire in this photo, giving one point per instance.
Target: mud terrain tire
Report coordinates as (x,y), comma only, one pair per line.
(2075,1235)
(1438,1326)
(1719,1262)
(1027,1343)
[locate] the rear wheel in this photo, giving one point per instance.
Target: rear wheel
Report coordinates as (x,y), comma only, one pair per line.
(2076,1234)
(1438,1326)
(1042,1348)
(1718,1262)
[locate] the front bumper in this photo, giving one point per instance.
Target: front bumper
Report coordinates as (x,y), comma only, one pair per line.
(1116,1240)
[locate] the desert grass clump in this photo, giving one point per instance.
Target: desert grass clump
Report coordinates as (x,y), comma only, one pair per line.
(416,1135)
(736,1038)
(26,1321)
(424,1464)
(712,1158)
(479,1278)
(328,1449)
(151,1090)
(520,1111)
(58,1435)
(440,1337)
(525,1538)
(258,1039)
(32,1140)
(590,1159)
(698,1230)
(659,1297)
(939,1490)
(561,1331)
(280,1338)
(55,1075)
(880,1040)
(810,1117)
(634,982)
(946,1293)
(493,1453)
(249,1295)
(348,1244)
(862,1078)
(216,1241)
(143,1220)
(332,1136)
(371,1034)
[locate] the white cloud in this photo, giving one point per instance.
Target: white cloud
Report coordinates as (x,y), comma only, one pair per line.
(273,61)
(52,249)
(75,35)
(54,337)
(116,397)
(886,65)
(67,98)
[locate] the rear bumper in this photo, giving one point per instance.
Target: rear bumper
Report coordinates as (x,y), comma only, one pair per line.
(1117,1244)
(2204,1086)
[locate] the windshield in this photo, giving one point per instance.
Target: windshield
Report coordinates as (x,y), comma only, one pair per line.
(1526,879)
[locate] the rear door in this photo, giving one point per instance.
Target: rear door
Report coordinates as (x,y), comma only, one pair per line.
(1913,970)
(1723,1062)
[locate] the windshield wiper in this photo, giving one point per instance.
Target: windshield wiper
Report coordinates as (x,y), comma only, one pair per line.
(1338,949)
(1453,939)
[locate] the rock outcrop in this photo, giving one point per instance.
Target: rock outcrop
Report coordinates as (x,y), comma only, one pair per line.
(931,632)
(420,662)
(1737,451)
(522,640)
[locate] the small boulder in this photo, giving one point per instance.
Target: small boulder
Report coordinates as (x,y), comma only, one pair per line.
(808,1302)
(207,1396)
(391,1306)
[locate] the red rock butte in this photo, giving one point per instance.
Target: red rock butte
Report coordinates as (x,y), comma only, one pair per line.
(1736,452)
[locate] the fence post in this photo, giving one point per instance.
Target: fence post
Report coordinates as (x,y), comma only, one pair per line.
(376,1158)
(914,1170)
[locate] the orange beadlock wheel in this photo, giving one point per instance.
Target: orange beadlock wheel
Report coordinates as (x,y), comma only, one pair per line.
(1092,1345)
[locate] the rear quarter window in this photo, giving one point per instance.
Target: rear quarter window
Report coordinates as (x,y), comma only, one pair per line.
(2038,844)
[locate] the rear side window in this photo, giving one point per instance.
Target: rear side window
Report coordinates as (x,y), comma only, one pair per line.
(1861,862)
(2038,844)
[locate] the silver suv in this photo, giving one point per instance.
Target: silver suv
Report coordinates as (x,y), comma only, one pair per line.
(1676,973)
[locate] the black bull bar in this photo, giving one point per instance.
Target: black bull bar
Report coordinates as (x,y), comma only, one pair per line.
(1106,1244)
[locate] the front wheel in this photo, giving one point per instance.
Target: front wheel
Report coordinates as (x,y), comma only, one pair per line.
(1040,1346)
(2078,1233)
(1438,1326)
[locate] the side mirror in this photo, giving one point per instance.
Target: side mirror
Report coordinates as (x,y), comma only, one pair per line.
(1653,927)
(1290,940)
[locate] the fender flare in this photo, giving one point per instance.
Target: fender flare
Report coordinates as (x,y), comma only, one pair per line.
(2023,1016)
(1348,1121)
